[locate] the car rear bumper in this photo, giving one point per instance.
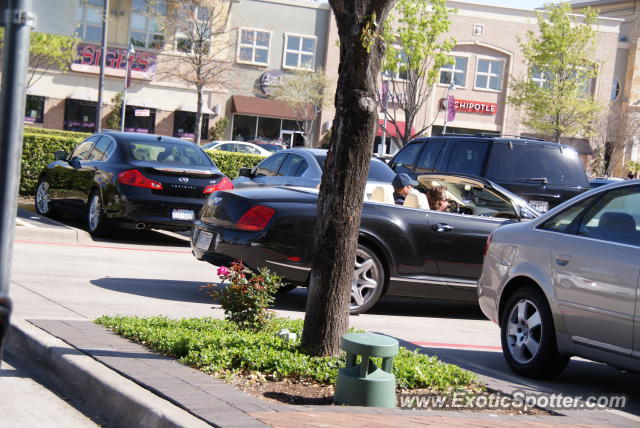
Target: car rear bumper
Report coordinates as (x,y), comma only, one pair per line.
(229,245)
(156,211)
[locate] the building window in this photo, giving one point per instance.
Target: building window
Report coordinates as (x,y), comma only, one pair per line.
(299,52)
(184,125)
(144,29)
(401,72)
(456,71)
(253,46)
(34,111)
(140,119)
(79,115)
(196,28)
(489,74)
(540,78)
(90,20)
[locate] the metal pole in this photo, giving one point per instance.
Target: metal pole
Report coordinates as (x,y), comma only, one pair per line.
(18,21)
(446,104)
(123,109)
(103,64)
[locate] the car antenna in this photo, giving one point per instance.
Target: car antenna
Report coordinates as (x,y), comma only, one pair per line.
(159,138)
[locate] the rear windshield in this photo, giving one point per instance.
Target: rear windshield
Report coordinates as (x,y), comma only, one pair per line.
(378,170)
(168,153)
(271,147)
(533,162)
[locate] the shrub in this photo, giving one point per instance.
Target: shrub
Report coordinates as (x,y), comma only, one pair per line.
(37,152)
(216,132)
(247,297)
(57,132)
(230,163)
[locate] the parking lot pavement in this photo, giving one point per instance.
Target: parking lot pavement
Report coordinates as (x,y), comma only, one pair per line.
(150,273)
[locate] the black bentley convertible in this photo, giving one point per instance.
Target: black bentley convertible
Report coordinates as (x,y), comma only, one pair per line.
(405,250)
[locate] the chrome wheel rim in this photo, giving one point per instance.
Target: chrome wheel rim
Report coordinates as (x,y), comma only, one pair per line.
(524,331)
(42,197)
(366,278)
(94,212)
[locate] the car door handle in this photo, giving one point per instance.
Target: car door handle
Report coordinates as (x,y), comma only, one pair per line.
(441,227)
(563,259)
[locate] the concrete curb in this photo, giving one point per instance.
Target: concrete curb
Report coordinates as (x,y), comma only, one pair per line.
(103,391)
(52,234)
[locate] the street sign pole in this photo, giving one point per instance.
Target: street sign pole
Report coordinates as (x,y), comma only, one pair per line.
(103,64)
(17,19)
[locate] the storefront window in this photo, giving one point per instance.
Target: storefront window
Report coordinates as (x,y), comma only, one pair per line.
(140,119)
(34,111)
(268,128)
(244,127)
(79,115)
(290,125)
(184,125)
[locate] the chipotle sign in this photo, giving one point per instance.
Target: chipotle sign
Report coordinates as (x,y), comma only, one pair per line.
(478,107)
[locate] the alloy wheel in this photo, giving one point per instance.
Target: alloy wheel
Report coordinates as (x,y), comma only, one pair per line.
(94,213)
(524,331)
(42,198)
(366,279)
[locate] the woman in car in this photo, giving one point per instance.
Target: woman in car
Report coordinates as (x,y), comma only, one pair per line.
(437,197)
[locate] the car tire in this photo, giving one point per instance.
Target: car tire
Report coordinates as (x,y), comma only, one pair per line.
(43,201)
(97,222)
(528,335)
(368,280)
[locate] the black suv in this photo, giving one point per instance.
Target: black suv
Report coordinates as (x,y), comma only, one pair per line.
(542,173)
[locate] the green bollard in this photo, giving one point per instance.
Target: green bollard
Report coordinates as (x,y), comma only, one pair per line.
(367,384)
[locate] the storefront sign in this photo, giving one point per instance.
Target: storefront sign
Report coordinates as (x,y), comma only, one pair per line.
(270,80)
(478,107)
(392,97)
(139,112)
(88,61)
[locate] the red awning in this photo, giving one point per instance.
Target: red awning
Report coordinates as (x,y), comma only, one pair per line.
(391,128)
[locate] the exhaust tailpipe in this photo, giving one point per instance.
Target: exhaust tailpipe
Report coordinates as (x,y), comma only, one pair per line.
(140,226)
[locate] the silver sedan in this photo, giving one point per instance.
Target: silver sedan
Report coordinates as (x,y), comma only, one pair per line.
(566,283)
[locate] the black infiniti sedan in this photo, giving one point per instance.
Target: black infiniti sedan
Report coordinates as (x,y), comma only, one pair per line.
(136,180)
(403,250)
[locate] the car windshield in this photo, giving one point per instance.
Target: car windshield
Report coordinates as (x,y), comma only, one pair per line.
(553,165)
(378,170)
(168,153)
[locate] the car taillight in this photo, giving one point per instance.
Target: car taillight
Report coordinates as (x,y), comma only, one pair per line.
(486,245)
(256,218)
(133,177)
(224,184)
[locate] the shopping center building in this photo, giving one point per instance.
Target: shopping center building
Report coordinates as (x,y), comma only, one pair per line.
(270,38)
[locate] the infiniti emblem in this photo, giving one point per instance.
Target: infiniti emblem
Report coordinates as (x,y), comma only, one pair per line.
(183,179)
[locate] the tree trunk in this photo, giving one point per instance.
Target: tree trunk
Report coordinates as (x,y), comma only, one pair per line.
(345,173)
(198,126)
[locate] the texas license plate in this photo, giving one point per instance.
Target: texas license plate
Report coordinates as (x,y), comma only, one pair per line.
(204,240)
(541,206)
(182,215)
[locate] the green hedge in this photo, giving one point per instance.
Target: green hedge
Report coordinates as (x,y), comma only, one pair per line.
(37,152)
(39,147)
(57,132)
(230,163)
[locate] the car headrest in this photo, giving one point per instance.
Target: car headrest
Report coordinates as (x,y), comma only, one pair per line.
(383,195)
(416,199)
(617,222)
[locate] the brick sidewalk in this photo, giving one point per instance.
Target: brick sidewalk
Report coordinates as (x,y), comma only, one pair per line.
(220,404)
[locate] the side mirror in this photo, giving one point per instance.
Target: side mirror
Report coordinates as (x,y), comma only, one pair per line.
(525,214)
(245,172)
(75,162)
(60,155)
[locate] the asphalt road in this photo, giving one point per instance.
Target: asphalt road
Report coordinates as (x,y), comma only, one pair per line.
(148,273)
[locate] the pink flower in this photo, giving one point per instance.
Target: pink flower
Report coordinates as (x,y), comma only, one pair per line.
(223,271)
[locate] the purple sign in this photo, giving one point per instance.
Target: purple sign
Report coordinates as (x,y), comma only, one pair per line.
(88,61)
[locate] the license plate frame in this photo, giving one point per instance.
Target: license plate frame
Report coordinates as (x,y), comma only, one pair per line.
(542,206)
(181,214)
(203,242)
